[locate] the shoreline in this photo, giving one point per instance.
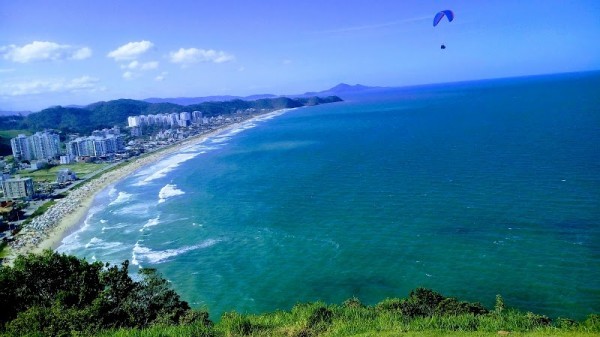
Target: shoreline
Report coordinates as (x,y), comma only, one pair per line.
(46,232)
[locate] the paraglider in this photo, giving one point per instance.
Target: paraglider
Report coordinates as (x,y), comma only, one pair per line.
(439,16)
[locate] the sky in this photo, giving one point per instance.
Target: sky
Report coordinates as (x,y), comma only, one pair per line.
(60,52)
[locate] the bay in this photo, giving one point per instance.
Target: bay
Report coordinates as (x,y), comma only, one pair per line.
(472,189)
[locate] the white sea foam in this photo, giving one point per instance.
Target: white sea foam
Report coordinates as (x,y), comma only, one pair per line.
(145,254)
(138,209)
(118,226)
(163,167)
(151,223)
(97,243)
(112,192)
(121,198)
(220,139)
(168,191)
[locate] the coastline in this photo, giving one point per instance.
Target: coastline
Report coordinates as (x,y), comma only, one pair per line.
(72,209)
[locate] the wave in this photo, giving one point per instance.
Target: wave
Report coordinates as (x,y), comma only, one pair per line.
(151,223)
(97,243)
(112,191)
(118,226)
(164,167)
(122,197)
(145,254)
(168,191)
(72,242)
(138,209)
(220,140)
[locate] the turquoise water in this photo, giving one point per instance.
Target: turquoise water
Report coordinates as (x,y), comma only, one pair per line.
(471,189)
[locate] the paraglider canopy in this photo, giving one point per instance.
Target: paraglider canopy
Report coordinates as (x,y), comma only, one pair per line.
(440,15)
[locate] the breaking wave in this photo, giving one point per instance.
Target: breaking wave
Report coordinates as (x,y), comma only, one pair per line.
(145,254)
(168,191)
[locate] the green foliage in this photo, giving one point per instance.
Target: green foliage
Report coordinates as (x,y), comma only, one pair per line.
(353,302)
(56,295)
(59,295)
(234,324)
(499,306)
(592,323)
(107,114)
(10,123)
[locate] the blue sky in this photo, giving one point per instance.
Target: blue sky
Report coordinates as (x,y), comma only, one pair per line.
(77,52)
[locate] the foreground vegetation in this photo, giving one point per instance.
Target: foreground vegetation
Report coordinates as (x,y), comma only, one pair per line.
(59,295)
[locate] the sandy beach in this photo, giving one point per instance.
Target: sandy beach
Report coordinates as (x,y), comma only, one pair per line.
(48,230)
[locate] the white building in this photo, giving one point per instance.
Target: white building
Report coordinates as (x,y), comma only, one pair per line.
(41,145)
(133,121)
(17,188)
(68,159)
(95,146)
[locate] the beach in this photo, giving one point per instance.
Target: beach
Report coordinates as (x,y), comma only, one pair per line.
(47,230)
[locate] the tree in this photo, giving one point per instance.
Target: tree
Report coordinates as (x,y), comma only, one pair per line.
(54,294)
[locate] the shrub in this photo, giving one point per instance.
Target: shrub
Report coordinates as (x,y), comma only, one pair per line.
(451,306)
(390,304)
(353,303)
(592,323)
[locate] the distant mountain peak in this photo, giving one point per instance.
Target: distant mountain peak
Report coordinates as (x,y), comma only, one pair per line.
(348,87)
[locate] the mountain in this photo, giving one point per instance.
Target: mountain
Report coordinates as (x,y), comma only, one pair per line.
(107,114)
(341,89)
(197,100)
(344,90)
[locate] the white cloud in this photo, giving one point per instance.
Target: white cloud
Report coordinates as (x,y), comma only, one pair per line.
(82,54)
(80,84)
(134,68)
(161,77)
(286,62)
(194,55)
(44,50)
(128,75)
(131,65)
(130,51)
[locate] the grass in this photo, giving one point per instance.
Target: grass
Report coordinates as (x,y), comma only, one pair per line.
(319,319)
(80,169)
(3,251)
(14,133)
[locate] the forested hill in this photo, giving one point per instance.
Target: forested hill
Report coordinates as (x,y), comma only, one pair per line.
(107,114)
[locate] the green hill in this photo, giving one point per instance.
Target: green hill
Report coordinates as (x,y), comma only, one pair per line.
(107,114)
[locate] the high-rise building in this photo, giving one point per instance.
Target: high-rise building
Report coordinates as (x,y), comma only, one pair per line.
(95,146)
(41,145)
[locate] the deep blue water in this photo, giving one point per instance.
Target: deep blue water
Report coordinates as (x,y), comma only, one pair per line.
(472,189)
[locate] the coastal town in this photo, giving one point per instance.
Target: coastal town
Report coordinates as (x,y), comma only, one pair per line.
(33,208)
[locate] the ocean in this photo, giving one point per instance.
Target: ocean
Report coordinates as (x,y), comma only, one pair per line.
(471,189)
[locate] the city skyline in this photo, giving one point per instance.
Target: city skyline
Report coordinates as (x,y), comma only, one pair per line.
(71,52)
